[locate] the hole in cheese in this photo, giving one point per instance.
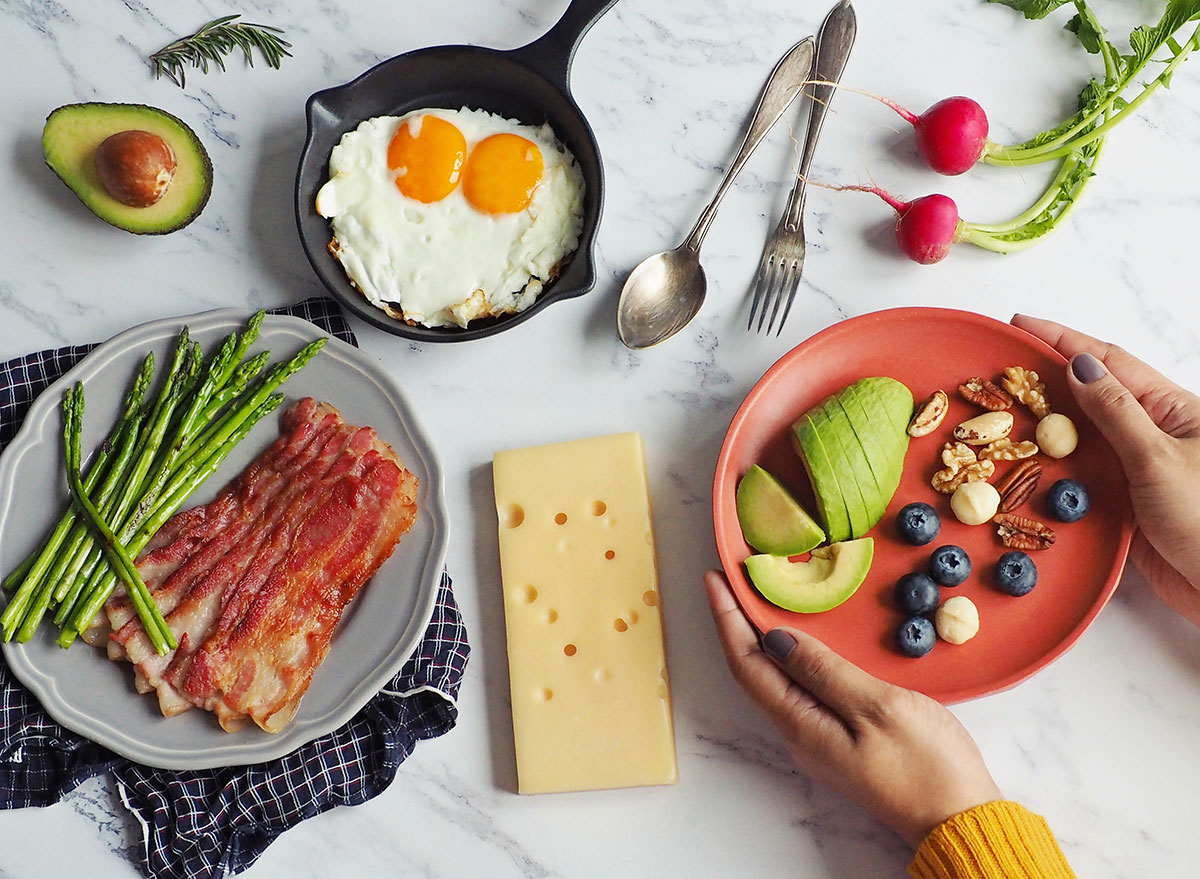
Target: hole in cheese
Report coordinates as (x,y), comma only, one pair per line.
(602,676)
(633,616)
(545,694)
(560,519)
(551,615)
(570,650)
(529,594)
(650,598)
(610,555)
(599,508)
(620,625)
(512,516)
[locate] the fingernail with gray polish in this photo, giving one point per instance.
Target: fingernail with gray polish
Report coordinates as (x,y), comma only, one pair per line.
(778,644)
(1087,368)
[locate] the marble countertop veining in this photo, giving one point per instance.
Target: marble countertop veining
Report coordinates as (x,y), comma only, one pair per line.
(1103,742)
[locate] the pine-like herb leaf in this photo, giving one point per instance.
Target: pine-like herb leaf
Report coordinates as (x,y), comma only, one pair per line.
(215,40)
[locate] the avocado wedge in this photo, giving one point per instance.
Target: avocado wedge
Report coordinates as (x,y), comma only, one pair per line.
(827,579)
(831,504)
(72,136)
(772,520)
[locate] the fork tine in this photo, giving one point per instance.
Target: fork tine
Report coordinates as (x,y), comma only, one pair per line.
(771,294)
(760,282)
(785,281)
(791,297)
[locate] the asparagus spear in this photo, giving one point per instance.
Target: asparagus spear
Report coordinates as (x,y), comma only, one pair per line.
(118,557)
(179,378)
(101,475)
(176,492)
(195,463)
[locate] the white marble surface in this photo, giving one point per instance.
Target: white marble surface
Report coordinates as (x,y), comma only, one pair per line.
(1104,742)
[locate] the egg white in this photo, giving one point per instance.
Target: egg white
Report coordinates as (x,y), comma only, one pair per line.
(446,263)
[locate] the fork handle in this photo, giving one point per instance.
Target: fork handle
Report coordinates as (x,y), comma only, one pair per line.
(784,84)
(834,40)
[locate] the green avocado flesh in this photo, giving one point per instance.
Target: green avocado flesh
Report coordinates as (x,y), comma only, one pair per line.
(819,463)
(836,443)
(74,132)
(827,579)
(853,445)
(772,520)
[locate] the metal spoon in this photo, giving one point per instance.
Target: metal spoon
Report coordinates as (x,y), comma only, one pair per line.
(664,292)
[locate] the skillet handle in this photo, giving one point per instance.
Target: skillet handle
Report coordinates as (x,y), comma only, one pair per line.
(551,53)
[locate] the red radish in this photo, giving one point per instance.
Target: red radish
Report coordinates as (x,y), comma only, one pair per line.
(951,135)
(926,227)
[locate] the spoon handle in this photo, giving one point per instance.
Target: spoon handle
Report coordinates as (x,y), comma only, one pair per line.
(783,85)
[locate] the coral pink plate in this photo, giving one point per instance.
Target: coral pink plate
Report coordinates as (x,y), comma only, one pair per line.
(927,349)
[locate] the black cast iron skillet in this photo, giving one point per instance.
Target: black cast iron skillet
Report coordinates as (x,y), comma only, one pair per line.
(530,84)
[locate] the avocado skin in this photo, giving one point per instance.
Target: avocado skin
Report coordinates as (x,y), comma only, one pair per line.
(69,140)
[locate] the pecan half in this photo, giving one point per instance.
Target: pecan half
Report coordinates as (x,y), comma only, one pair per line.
(1020,532)
(929,414)
(1018,484)
(985,393)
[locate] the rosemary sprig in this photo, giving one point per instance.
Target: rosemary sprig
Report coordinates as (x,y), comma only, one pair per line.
(218,38)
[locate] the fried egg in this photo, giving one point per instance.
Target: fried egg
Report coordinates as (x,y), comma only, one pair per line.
(441,217)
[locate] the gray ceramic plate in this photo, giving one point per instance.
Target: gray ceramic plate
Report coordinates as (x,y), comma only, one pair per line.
(381,628)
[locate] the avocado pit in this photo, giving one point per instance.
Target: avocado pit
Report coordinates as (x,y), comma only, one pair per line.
(135,167)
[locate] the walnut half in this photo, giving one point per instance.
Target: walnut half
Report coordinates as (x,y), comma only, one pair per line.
(962,466)
(1025,386)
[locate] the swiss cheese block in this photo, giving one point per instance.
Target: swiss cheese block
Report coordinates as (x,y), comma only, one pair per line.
(591,703)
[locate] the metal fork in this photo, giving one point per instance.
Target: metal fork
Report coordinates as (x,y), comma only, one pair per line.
(782,263)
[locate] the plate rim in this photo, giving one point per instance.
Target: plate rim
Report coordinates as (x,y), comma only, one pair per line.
(238,753)
(722,497)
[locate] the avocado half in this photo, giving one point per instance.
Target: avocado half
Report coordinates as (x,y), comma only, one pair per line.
(69,142)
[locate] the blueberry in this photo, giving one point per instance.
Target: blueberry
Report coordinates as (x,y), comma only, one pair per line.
(915,637)
(1016,573)
(1068,500)
(918,523)
(949,565)
(916,594)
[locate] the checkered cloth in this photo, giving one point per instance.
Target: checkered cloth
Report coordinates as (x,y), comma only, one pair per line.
(216,822)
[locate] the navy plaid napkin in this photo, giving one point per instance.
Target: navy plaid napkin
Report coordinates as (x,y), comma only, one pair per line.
(216,822)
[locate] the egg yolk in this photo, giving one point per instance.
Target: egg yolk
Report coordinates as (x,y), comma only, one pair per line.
(427,162)
(502,173)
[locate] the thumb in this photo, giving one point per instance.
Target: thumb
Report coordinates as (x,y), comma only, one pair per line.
(1114,410)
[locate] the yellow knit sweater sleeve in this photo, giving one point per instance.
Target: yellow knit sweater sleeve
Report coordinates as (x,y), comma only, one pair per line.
(1000,840)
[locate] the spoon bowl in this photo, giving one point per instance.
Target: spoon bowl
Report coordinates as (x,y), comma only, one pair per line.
(661,296)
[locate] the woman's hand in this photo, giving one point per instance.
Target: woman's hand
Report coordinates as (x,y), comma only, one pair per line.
(1154,427)
(897,753)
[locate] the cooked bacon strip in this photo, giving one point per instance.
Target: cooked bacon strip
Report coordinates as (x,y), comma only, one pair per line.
(253,583)
(261,657)
(193,595)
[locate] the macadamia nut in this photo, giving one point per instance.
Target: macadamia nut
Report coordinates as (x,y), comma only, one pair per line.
(975,502)
(1056,435)
(957,620)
